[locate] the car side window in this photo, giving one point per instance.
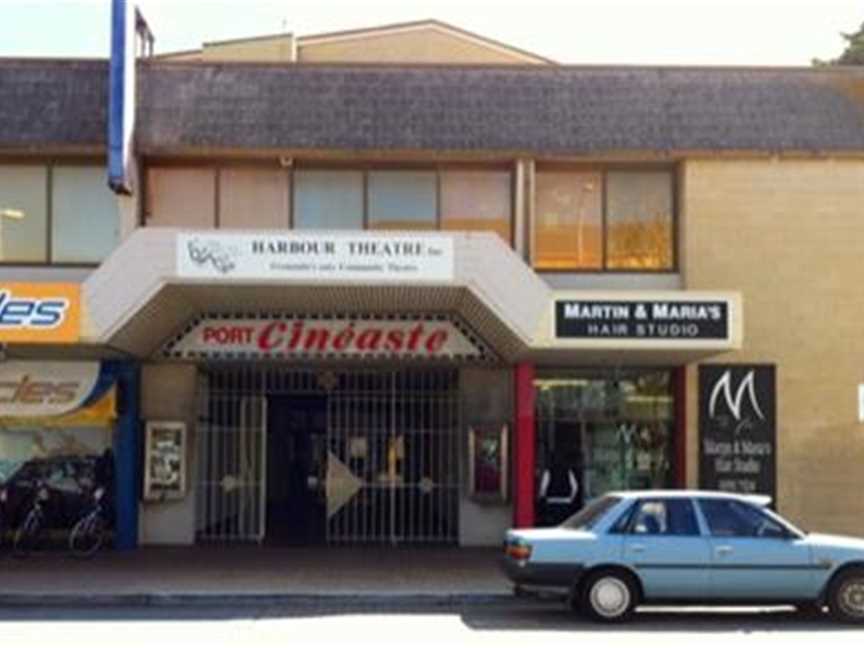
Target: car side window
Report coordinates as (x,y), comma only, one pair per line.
(668,517)
(734,519)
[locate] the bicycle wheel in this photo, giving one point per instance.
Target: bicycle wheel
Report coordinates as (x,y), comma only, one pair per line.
(27,534)
(87,535)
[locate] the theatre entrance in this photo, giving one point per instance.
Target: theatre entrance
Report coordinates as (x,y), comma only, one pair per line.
(328,456)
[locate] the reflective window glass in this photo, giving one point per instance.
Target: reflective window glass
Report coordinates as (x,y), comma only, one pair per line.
(476,201)
(672,517)
(23,214)
(325,199)
(253,198)
(731,518)
(181,197)
(403,200)
(568,230)
(639,220)
(85,225)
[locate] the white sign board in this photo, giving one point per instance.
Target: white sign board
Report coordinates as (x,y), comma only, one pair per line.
(278,337)
(291,256)
(35,389)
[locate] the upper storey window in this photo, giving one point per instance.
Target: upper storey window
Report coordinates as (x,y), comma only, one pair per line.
(596,220)
(460,198)
(56,213)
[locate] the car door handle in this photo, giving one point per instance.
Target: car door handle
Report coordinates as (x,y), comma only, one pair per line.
(723,550)
(637,548)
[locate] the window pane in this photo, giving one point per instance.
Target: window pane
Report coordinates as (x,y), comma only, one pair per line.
(181,197)
(85,227)
(253,199)
(328,200)
(476,201)
(681,517)
(639,220)
(401,200)
(735,519)
(23,214)
(569,227)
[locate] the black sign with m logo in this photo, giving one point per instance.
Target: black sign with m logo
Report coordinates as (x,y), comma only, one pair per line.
(737,428)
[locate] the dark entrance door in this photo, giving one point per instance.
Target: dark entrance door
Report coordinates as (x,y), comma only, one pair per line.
(296,469)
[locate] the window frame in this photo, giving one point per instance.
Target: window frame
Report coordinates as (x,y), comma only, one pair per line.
(48,163)
(603,170)
(789,533)
(362,166)
(628,528)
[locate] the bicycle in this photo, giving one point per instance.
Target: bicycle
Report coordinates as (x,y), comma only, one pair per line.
(26,536)
(89,533)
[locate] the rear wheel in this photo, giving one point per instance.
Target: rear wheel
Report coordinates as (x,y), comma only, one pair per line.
(609,596)
(87,536)
(846,596)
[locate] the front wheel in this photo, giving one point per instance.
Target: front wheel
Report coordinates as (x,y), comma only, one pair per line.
(25,537)
(87,536)
(846,596)
(609,596)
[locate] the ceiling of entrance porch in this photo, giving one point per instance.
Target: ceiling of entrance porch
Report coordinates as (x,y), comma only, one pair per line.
(136,300)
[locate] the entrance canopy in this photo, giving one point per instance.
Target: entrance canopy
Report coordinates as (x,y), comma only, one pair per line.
(162,282)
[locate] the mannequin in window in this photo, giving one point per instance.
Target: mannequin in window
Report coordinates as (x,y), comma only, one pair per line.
(559,491)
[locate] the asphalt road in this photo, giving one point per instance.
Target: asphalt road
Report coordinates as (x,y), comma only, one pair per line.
(522,623)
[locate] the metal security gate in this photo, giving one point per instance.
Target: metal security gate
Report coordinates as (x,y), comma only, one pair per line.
(392,446)
(387,470)
(232,449)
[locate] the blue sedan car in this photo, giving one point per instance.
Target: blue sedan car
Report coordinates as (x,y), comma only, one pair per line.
(681,547)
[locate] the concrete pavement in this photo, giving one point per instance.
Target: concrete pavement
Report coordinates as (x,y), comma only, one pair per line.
(516,623)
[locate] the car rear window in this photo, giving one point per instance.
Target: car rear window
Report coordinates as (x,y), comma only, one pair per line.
(591,514)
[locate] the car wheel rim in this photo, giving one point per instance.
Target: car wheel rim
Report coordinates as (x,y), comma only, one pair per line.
(852,597)
(610,597)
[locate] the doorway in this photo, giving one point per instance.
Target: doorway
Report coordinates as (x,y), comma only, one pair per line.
(296,469)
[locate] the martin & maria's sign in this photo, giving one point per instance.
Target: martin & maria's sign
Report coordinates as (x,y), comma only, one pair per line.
(649,319)
(738,428)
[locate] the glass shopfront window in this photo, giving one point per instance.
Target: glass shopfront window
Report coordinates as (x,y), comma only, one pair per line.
(605,430)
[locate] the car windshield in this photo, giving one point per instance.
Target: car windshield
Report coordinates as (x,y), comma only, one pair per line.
(589,516)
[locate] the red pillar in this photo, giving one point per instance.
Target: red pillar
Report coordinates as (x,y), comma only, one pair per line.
(524,447)
(680,392)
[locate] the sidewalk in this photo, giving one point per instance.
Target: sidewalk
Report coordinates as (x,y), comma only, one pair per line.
(220,574)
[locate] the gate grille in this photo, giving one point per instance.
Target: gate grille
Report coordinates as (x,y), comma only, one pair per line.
(392,464)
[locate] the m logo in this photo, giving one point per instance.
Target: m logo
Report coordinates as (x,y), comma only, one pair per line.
(723,387)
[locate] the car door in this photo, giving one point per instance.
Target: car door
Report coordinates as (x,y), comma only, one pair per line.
(664,544)
(753,556)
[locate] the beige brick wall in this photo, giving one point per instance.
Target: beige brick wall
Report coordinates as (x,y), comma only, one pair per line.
(789,234)
(415,46)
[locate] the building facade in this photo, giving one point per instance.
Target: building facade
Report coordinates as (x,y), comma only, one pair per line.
(405,302)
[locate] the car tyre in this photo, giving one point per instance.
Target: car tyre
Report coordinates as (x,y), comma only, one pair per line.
(609,596)
(846,596)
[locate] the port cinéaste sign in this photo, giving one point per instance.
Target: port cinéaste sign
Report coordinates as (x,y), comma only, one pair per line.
(321,256)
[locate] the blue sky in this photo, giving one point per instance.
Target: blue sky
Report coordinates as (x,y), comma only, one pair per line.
(706,32)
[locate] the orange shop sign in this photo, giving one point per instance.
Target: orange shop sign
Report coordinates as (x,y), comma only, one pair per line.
(40,312)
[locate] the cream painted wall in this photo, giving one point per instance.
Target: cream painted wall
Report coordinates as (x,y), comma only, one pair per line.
(789,235)
(168,393)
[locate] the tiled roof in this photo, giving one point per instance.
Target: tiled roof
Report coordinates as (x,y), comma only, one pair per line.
(532,109)
(55,104)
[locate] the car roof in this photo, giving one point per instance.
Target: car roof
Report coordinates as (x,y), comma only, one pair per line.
(758,500)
